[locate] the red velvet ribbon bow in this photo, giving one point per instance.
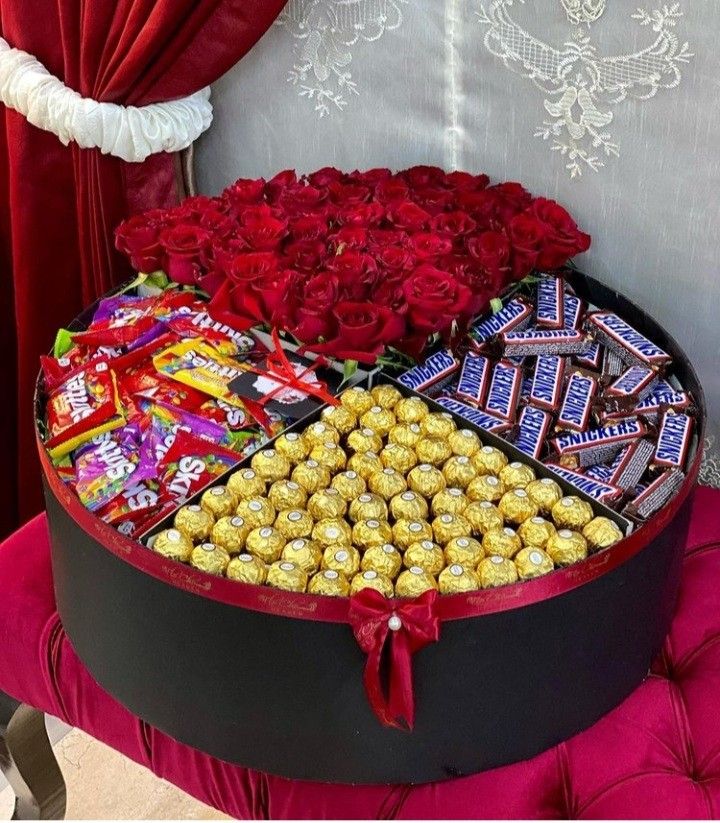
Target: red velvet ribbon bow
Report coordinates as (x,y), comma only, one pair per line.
(407,628)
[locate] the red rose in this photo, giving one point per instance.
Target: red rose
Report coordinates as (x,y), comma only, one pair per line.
(392,190)
(360,214)
(245,268)
(244,305)
(306,255)
(371,177)
(184,247)
(361,331)
(563,239)
(434,200)
(322,178)
(244,193)
(425,245)
(275,187)
(512,199)
(491,249)
(349,237)
(306,312)
(409,216)
(435,298)
(299,199)
(394,258)
(527,235)
(309,227)
(346,194)
(453,223)
(420,177)
(464,180)
(390,293)
(139,238)
(357,272)
(261,230)
(380,238)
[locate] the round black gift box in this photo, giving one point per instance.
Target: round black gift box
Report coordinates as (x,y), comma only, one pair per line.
(274,681)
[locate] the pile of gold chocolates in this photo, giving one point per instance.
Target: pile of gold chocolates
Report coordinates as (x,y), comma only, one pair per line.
(383,493)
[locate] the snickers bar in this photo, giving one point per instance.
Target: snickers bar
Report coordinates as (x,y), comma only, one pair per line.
(673,441)
(636,381)
(534,426)
(630,346)
(631,464)
(438,367)
(474,378)
(575,410)
(515,315)
(547,382)
(545,341)
(599,445)
(504,392)
(550,303)
(573,311)
(656,495)
(598,490)
(481,419)
(592,358)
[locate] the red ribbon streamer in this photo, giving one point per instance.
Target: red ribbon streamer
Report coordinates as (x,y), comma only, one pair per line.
(408,628)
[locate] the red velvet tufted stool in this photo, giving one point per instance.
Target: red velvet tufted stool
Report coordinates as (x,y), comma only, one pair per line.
(656,756)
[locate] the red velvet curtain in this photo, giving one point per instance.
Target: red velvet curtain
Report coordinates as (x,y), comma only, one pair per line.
(60,204)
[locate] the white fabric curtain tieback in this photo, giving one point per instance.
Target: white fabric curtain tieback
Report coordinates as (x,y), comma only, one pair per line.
(132,133)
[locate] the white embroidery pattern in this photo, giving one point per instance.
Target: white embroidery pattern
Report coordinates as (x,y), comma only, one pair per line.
(581,85)
(710,468)
(326,31)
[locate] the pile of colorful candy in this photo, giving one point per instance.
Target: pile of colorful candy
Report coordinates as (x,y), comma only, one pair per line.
(382,493)
(576,387)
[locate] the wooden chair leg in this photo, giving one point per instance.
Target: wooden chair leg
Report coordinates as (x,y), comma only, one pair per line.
(28,763)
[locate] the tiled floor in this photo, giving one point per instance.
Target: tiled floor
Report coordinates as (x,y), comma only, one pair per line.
(105,785)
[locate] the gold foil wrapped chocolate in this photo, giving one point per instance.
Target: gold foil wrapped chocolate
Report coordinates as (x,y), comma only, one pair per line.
(344,559)
(340,418)
(174,545)
(406,434)
(449,501)
(365,440)
(407,532)
(194,522)
(371,579)
(230,533)
(566,547)
(292,446)
(426,480)
(427,555)
(433,450)
(502,542)
(536,531)
(385,559)
(464,443)
(410,410)
(332,532)
(371,532)
(379,420)
(366,464)
(438,425)
(349,484)
(246,483)
(256,512)
(601,533)
(266,543)
(456,579)
(294,523)
(409,506)
(327,503)
(385,396)
(572,513)
(330,583)
(516,475)
(459,471)
(483,516)
(368,506)
(545,492)
(287,494)
(387,483)
(270,465)
(357,400)
(207,557)
(329,455)
(485,487)
(400,458)
(489,460)
(218,501)
(311,476)
(516,506)
(284,574)
(304,553)
(467,551)
(448,526)
(496,571)
(413,582)
(247,569)
(532,562)
(320,432)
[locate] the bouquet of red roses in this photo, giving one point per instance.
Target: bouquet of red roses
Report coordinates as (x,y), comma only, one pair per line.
(354,265)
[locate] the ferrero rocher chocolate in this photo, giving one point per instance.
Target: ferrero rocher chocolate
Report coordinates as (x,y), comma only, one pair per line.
(368,506)
(459,471)
(287,494)
(426,480)
(247,569)
(379,420)
(385,396)
(427,555)
(284,574)
(516,506)
(349,484)
(464,443)
(230,533)
(467,551)
(572,513)
(433,450)
(496,571)
(194,521)
(304,553)
(294,523)
(407,532)
(413,582)
(448,526)
(332,532)
(400,458)
(329,455)
(489,460)
(270,465)
(410,410)
(174,545)
(601,533)
(503,542)
(406,434)
(385,559)
(457,578)
(210,558)
(483,516)
(387,483)
(365,440)
(566,547)
(371,579)
(409,506)
(345,559)
(365,464)
(438,424)
(327,503)
(311,476)
(531,562)
(293,446)
(536,531)
(371,532)
(485,487)
(516,475)
(258,511)
(320,432)
(449,501)
(266,543)
(330,583)
(246,483)
(340,418)
(218,501)
(545,492)
(357,400)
